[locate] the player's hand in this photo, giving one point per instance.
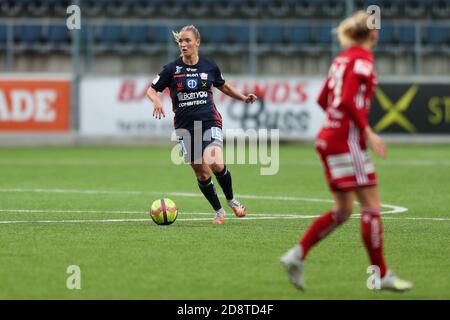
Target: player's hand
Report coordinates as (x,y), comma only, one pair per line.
(158,111)
(250,98)
(377,144)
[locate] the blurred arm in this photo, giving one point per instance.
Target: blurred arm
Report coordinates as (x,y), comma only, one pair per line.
(158,110)
(230,91)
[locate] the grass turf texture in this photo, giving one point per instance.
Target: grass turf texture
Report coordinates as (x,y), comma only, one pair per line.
(193,259)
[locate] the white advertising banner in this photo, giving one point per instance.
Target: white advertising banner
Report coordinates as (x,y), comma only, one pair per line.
(119,107)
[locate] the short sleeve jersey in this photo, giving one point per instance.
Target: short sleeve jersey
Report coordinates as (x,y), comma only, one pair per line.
(191,92)
(346,95)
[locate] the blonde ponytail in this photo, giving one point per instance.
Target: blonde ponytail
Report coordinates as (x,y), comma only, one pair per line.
(353,30)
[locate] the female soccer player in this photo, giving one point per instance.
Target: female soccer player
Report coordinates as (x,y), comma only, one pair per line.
(198,124)
(341,144)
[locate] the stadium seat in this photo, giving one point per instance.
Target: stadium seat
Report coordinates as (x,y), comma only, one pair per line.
(92,8)
(436,35)
(3,36)
(305,8)
(138,39)
(204,33)
(172,8)
(224,8)
(407,34)
(160,34)
(278,8)
(390,8)
(387,34)
(331,8)
(271,34)
(110,34)
(29,33)
(199,8)
(24,3)
(182,2)
(29,37)
(218,33)
(143,8)
(323,34)
(440,8)
(10,8)
(136,34)
(240,34)
(115,7)
(250,8)
(58,37)
(415,9)
(58,33)
(299,34)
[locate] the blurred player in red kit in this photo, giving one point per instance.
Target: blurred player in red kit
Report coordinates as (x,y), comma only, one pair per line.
(341,143)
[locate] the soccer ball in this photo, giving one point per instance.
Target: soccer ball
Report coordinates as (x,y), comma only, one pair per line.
(164,211)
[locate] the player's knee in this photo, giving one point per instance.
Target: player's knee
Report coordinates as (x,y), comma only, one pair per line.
(213,157)
(202,176)
(217,167)
(367,212)
(340,216)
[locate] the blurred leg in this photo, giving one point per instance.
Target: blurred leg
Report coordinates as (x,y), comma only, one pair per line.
(327,222)
(203,174)
(371,226)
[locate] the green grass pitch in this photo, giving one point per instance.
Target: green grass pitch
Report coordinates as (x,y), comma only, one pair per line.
(122,254)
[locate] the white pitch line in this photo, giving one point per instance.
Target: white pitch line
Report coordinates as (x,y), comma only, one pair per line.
(277,217)
(395,209)
(416,218)
(71,191)
(139,212)
(260,215)
(140,220)
(67,211)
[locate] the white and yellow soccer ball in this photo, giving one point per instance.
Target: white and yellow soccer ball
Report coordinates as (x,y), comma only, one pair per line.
(163,211)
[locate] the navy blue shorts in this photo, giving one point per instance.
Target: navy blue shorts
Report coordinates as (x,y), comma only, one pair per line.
(193,143)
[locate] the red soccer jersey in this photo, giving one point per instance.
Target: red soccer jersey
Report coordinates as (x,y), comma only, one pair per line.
(346,98)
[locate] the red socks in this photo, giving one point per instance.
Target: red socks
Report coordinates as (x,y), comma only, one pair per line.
(318,230)
(372,234)
(371,230)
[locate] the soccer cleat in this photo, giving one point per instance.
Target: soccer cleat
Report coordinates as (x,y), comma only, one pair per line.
(218,220)
(391,282)
(220,217)
(238,209)
(293,264)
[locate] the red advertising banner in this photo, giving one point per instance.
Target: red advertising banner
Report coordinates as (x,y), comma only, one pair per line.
(34,105)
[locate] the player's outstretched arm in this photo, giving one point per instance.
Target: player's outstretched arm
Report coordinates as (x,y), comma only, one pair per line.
(158,110)
(229,90)
(376,142)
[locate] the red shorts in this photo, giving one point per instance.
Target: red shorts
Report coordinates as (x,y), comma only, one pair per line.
(347,170)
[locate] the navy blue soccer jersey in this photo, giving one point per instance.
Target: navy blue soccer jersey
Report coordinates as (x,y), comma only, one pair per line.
(191,92)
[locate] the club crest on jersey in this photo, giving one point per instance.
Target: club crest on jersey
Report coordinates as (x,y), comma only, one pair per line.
(178,69)
(180,85)
(192,83)
(363,67)
(204,76)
